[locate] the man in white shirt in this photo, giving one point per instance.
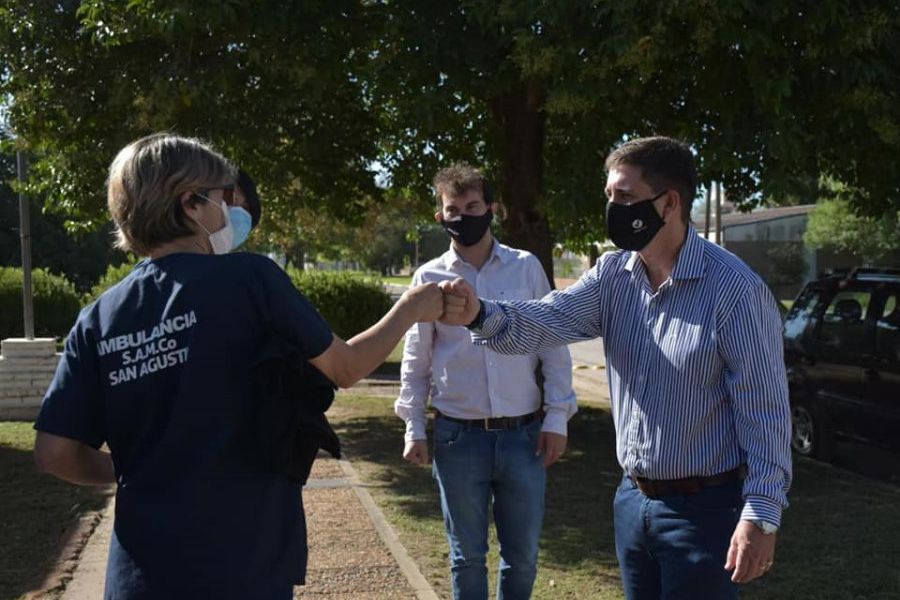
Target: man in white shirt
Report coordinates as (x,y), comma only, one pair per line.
(492,439)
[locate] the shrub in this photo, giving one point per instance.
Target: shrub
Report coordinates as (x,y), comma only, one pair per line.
(56,303)
(349,302)
(114,274)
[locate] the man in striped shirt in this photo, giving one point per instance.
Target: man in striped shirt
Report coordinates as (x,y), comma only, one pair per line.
(696,374)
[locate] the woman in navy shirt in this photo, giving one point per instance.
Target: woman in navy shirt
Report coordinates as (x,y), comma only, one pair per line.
(158,369)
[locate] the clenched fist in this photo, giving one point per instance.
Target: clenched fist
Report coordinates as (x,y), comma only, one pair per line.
(461,304)
(425,302)
(416,452)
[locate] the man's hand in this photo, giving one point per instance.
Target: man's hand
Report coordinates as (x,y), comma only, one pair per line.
(416,452)
(461,303)
(751,552)
(552,446)
(425,302)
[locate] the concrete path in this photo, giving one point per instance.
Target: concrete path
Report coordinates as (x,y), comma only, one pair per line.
(87,578)
(353,551)
(589,372)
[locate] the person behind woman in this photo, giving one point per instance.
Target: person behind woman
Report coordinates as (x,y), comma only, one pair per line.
(158,370)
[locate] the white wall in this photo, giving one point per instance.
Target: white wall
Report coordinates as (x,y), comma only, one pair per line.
(784,229)
(26,369)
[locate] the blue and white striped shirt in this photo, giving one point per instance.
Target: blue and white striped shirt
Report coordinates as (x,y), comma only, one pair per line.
(696,369)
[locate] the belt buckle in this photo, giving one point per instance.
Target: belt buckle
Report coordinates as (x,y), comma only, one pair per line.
(487,425)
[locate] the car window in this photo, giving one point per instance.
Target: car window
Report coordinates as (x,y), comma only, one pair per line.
(844,325)
(802,312)
(887,330)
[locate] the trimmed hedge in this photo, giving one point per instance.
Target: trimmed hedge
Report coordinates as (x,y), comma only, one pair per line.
(349,302)
(56,303)
(114,274)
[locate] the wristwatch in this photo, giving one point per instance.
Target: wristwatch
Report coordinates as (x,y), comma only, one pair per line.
(479,318)
(766,527)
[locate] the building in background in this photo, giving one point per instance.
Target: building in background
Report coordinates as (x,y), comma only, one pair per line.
(770,240)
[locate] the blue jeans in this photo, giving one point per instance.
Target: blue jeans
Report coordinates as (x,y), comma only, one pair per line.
(471,466)
(675,546)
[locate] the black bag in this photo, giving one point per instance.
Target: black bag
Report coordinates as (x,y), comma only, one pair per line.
(290,397)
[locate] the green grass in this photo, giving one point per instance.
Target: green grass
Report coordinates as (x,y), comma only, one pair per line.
(397,279)
(838,541)
(391,365)
(36,512)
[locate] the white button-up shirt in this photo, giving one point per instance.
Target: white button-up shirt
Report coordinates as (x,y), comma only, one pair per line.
(467,381)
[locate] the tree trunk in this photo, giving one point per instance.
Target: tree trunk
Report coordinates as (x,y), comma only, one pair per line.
(294,256)
(519,113)
(594,254)
(718,213)
(708,208)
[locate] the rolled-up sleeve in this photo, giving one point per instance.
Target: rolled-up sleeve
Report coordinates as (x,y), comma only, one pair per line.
(751,345)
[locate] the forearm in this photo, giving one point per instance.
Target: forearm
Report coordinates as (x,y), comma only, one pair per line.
(82,466)
(764,436)
(559,397)
(370,348)
(411,406)
(757,384)
(415,380)
(534,326)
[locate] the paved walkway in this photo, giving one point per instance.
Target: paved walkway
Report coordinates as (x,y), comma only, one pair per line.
(589,375)
(353,551)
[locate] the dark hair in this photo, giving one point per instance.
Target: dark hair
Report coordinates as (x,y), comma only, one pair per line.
(664,163)
(459,178)
(248,186)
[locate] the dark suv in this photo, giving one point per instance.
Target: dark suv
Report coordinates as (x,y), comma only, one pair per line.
(842,349)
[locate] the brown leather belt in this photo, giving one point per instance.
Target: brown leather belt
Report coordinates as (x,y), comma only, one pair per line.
(495,423)
(654,488)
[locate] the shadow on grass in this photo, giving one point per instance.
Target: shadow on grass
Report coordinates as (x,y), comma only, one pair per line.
(37,513)
(578,523)
(388,368)
(839,538)
(379,439)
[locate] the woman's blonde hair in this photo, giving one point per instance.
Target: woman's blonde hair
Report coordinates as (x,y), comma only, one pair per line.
(145,182)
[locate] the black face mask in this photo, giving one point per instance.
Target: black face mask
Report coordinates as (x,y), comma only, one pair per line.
(633,226)
(468,229)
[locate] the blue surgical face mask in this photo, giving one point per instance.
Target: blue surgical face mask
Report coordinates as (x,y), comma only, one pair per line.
(241,223)
(235,232)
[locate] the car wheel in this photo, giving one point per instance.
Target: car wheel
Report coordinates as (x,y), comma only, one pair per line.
(810,433)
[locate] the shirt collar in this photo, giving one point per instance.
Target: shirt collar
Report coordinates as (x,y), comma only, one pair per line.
(498,251)
(689,264)
(632,261)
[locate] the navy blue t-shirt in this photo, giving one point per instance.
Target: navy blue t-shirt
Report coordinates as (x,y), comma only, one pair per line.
(158,369)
